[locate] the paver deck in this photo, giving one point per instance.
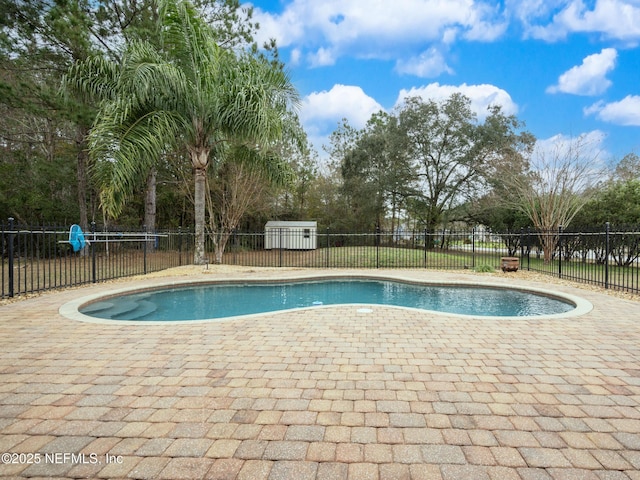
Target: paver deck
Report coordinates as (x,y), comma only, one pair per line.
(333,393)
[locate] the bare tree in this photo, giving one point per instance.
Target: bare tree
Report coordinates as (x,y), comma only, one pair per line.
(559,183)
(240,188)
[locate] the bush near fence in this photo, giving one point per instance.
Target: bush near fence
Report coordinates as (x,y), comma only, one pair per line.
(38,259)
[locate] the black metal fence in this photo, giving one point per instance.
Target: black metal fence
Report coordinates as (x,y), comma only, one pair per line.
(604,257)
(446,249)
(38,259)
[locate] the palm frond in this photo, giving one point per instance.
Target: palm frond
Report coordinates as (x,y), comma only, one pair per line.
(253,100)
(187,37)
(124,146)
(94,78)
(213,101)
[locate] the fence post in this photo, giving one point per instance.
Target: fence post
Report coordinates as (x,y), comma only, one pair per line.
(328,246)
(473,247)
(607,251)
(11,236)
(560,251)
(93,253)
(377,246)
(528,248)
(425,248)
(144,249)
(280,230)
(179,245)
(234,236)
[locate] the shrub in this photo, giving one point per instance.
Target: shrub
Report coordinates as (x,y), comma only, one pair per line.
(484,269)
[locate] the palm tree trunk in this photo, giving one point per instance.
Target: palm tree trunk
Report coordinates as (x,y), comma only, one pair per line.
(150,201)
(82,166)
(150,205)
(199,257)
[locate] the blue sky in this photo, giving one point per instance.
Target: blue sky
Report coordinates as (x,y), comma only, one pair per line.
(564,67)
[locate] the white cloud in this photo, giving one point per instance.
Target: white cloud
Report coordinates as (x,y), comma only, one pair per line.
(321,112)
(560,144)
(529,11)
(430,63)
(285,28)
(379,29)
(341,101)
(482,96)
(294,58)
(615,19)
(486,23)
(589,78)
(323,57)
(624,112)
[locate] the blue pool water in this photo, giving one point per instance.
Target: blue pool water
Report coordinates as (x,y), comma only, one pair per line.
(225,300)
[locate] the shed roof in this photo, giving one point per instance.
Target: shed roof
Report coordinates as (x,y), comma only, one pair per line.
(284,224)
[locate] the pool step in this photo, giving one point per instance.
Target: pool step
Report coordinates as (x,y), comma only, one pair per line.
(113,308)
(95,308)
(144,308)
(120,309)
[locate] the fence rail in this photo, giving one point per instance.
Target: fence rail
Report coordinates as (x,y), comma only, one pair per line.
(38,259)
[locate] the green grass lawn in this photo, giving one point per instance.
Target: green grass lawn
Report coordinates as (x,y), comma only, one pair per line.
(626,278)
(362,257)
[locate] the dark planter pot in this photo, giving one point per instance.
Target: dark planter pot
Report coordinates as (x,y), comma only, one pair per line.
(510,264)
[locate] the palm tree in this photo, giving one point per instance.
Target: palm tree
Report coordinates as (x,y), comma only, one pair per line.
(190,94)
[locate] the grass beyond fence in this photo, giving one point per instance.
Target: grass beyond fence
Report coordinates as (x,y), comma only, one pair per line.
(359,257)
(625,278)
(41,259)
(605,258)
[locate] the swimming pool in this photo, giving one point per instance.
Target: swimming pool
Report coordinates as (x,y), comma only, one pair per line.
(222,300)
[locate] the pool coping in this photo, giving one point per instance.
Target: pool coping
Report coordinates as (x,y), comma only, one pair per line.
(71,311)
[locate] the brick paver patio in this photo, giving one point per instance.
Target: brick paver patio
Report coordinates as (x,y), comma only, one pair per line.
(333,393)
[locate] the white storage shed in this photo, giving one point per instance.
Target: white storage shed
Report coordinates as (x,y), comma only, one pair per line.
(290,235)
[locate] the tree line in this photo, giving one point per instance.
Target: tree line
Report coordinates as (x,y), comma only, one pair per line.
(165,113)
(138,86)
(434,165)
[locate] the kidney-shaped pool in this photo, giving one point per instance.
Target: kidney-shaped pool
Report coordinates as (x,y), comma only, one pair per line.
(222,300)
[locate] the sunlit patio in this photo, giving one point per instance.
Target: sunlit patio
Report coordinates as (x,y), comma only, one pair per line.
(331,393)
